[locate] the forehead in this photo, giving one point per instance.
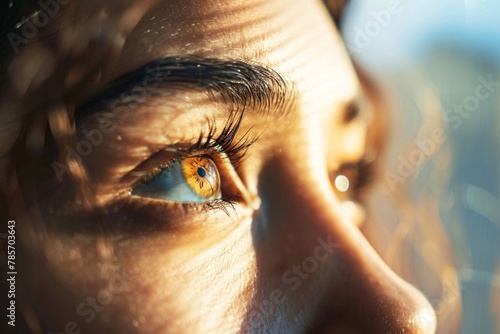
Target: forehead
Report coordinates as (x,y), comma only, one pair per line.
(298,41)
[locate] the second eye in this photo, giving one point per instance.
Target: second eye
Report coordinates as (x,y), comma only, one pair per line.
(193,179)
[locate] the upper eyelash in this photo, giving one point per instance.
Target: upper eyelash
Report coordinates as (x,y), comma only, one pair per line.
(223,143)
(366,174)
(225,140)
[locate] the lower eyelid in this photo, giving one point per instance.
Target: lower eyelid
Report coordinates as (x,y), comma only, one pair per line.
(139,216)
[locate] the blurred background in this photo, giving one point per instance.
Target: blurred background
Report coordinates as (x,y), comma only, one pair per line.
(444,56)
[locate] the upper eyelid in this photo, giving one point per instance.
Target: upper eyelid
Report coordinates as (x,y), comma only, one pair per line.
(220,142)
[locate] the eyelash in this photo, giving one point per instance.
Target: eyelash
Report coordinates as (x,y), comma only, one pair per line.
(366,175)
(224,144)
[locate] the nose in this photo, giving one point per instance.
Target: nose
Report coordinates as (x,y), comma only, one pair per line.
(372,298)
(356,292)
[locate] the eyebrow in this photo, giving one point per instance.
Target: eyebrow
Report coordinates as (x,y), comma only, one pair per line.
(231,81)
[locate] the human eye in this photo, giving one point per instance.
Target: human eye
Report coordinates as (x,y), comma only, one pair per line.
(352,180)
(191,179)
(205,172)
(351,183)
(352,176)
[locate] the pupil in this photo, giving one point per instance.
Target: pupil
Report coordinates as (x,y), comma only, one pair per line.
(201,172)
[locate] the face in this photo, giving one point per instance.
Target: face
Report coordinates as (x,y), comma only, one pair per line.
(224,165)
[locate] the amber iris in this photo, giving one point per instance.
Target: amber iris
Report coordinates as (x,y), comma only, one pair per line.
(202,176)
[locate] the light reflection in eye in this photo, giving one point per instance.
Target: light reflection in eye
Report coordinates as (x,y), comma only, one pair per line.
(342,183)
(193,179)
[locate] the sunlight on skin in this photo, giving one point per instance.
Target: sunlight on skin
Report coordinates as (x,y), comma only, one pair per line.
(195,269)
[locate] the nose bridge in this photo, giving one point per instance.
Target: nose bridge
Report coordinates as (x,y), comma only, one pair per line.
(363,294)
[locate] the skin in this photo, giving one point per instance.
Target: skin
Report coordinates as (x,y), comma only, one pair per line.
(161,268)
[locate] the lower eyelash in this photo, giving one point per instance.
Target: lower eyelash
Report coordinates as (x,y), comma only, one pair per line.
(225,203)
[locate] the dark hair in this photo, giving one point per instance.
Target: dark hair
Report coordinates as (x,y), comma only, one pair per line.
(12,15)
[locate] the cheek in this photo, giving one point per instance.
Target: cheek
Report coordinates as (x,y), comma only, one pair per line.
(204,285)
(195,278)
